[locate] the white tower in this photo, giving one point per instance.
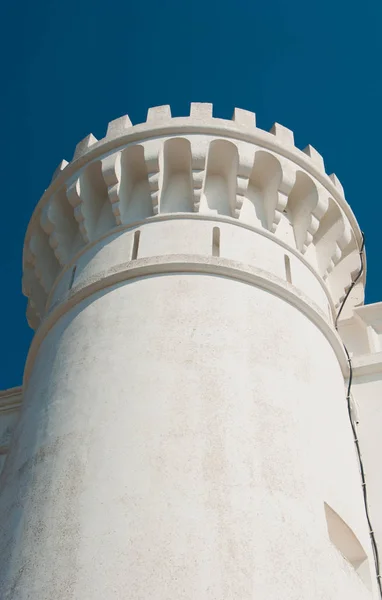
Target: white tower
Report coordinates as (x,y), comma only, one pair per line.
(184,432)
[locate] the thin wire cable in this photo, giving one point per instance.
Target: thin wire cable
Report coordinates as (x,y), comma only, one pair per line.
(353,427)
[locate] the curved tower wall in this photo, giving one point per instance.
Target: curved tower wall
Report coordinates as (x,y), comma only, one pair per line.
(184,432)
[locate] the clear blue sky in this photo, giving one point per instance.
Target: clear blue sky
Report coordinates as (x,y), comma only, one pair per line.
(70,67)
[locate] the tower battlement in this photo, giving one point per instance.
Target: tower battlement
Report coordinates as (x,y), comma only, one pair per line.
(195,167)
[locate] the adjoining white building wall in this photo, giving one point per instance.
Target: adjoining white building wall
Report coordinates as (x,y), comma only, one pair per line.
(184,429)
(363,336)
(367,393)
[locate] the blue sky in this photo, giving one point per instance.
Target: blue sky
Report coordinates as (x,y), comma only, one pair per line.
(70,67)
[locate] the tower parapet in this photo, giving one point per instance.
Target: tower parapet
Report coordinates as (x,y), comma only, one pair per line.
(195,167)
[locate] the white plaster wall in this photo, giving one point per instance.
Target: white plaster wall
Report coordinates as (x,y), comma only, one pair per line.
(367,392)
(354,335)
(179,437)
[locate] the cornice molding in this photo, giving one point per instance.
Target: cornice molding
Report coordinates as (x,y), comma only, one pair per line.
(367,364)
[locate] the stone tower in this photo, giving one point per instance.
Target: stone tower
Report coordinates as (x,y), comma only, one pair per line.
(184,432)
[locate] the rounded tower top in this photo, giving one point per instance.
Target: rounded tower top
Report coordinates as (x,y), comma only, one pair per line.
(261,181)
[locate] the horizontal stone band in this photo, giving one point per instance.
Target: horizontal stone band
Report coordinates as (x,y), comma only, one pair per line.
(170,264)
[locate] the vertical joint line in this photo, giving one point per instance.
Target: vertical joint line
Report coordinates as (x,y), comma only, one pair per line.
(288,270)
(72,276)
(134,252)
(216,241)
